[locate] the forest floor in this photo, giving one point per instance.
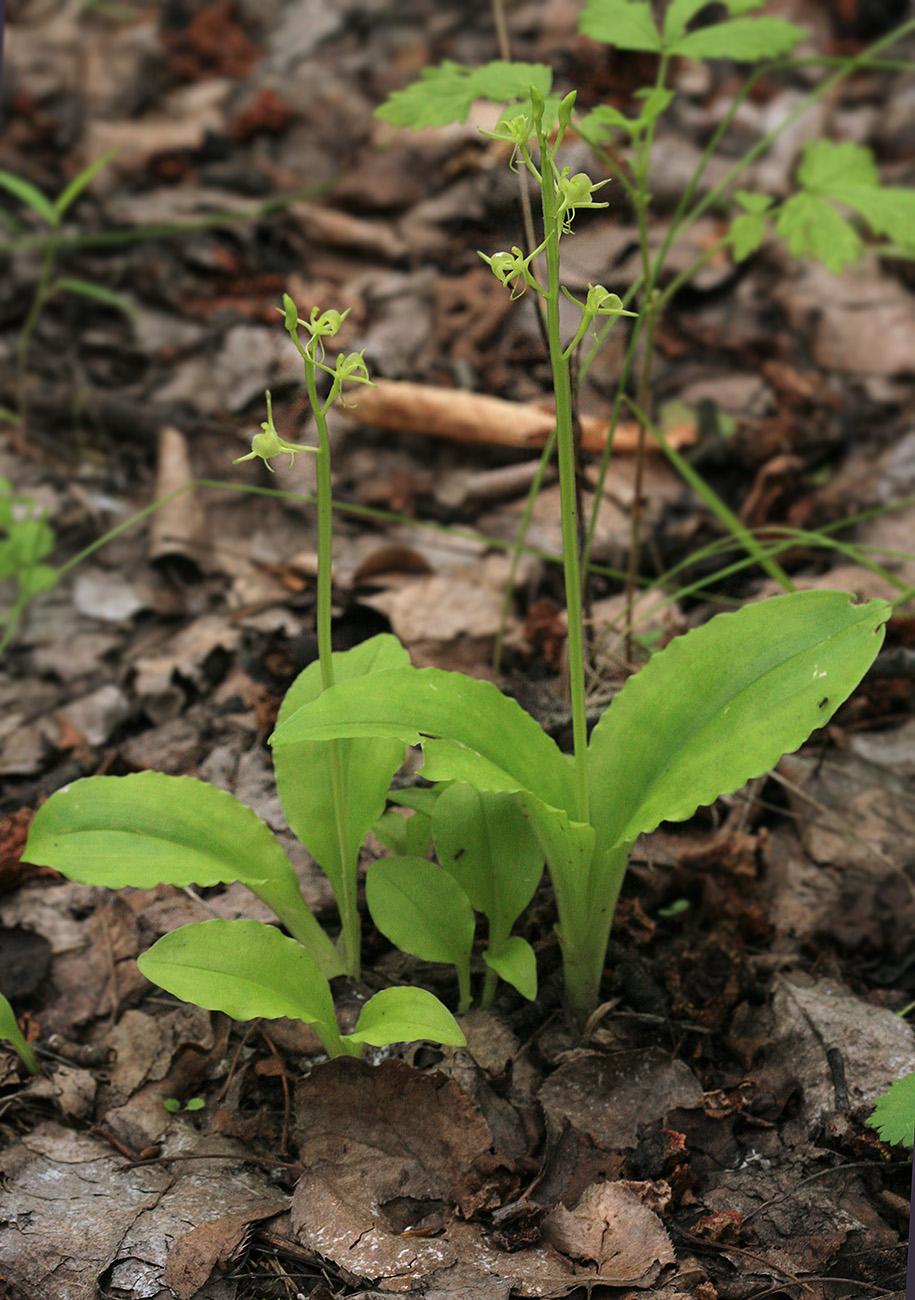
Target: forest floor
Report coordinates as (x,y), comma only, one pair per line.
(705,1137)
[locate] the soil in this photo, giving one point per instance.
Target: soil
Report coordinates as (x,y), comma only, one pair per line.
(705,1136)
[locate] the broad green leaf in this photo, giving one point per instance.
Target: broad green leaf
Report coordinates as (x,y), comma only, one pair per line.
(746,40)
(403,1015)
(303,768)
(10,1030)
(151,829)
(39,578)
(605,118)
(894,1113)
(756,204)
(812,228)
(478,734)
(72,192)
(247,970)
(627,24)
(421,909)
(445,93)
(516,964)
(98,293)
(485,842)
(722,704)
(29,195)
(737,7)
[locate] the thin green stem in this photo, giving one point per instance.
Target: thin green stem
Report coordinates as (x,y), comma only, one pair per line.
(567,481)
(349,912)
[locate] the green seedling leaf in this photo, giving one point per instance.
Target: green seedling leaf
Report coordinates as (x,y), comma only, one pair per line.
(746,40)
(150,829)
(247,970)
(303,773)
(10,1030)
(445,93)
(30,196)
(98,293)
(723,703)
(403,1015)
(172,1105)
(423,911)
(470,731)
(812,228)
(516,964)
(748,231)
(894,1113)
(485,842)
(627,24)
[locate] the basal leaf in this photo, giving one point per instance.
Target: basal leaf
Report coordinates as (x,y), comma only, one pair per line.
(894,1113)
(481,729)
(516,964)
(151,829)
(812,228)
(10,1030)
(403,1015)
(722,704)
(303,769)
(485,842)
(627,24)
(246,970)
(421,909)
(746,40)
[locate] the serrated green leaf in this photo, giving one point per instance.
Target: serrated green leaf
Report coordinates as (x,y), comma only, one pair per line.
(247,970)
(470,731)
(501,81)
(825,164)
(10,1030)
(678,16)
(149,829)
(746,40)
(746,234)
(722,704)
(626,24)
(894,1113)
(888,211)
(606,118)
(30,196)
(444,93)
(655,101)
(421,909)
(753,203)
(403,1015)
(367,766)
(515,963)
(813,228)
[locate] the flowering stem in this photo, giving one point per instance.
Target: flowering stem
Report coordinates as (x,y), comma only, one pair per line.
(562,388)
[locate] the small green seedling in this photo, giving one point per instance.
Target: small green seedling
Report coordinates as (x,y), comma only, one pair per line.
(51,212)
(26,537)
(174,1106)
(10,1031)
(894,1114)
